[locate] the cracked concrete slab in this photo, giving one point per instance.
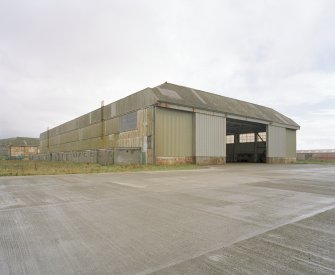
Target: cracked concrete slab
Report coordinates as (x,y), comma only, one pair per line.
(247,218)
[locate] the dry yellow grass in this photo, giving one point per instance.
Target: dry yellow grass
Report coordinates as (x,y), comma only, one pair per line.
(315,162)
(28,168)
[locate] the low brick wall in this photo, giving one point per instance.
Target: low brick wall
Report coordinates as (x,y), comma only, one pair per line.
(210,160)
(316,156)
(174,160)
(280,160)
(119,156)
(81,156)
(128,156)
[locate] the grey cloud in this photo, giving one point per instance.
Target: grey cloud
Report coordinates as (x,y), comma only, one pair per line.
(59,59)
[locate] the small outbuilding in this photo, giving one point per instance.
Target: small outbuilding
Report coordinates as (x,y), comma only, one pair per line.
(18,147)
(316,155)
(172,124)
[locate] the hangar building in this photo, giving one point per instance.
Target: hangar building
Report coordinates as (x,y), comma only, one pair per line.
(174,124)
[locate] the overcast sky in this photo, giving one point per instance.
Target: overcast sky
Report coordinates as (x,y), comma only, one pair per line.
(59,59)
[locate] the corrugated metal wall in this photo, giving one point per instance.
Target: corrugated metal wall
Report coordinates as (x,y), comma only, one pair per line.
(281,142)
(98,134)
(90,131)
(210,135)
(174,133)
(276,141)
(291,143)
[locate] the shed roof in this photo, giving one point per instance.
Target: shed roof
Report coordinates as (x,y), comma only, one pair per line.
(180,95)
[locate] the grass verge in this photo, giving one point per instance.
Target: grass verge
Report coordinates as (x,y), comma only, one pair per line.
(30,168)
(315,162)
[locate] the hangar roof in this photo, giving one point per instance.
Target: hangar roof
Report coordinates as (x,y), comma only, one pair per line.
(180,95)
(176,95)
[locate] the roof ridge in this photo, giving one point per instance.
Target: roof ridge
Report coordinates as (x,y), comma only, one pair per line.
(211,93)
(259,110)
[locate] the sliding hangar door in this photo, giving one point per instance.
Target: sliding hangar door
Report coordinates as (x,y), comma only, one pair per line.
(246,141)
(202,138)
(250,141)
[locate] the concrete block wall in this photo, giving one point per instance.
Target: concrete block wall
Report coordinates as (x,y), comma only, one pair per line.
(105,157)
(320,156)
(210,160)
(174,160)
(280,160)
(127,156)
(88,156)
(118,156)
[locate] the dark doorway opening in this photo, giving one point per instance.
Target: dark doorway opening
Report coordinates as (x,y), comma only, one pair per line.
(245,141)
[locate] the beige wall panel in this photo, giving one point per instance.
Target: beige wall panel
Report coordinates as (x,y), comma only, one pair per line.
(276,141)
(174,133)
(291,144)
(84,120)
(91,131)
(134,102)
(112,126)
(210,135)
(139,123)
(95,116)
(107,112)
(66,137)
(149,119)
(68,126)
(90,137)
(43,135)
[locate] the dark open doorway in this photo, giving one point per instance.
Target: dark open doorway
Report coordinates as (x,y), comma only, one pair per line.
(246,141)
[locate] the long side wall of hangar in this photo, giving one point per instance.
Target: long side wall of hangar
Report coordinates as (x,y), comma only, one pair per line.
(172,124)
(120,132)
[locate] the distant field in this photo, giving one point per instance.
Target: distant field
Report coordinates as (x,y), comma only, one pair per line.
(29,168)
